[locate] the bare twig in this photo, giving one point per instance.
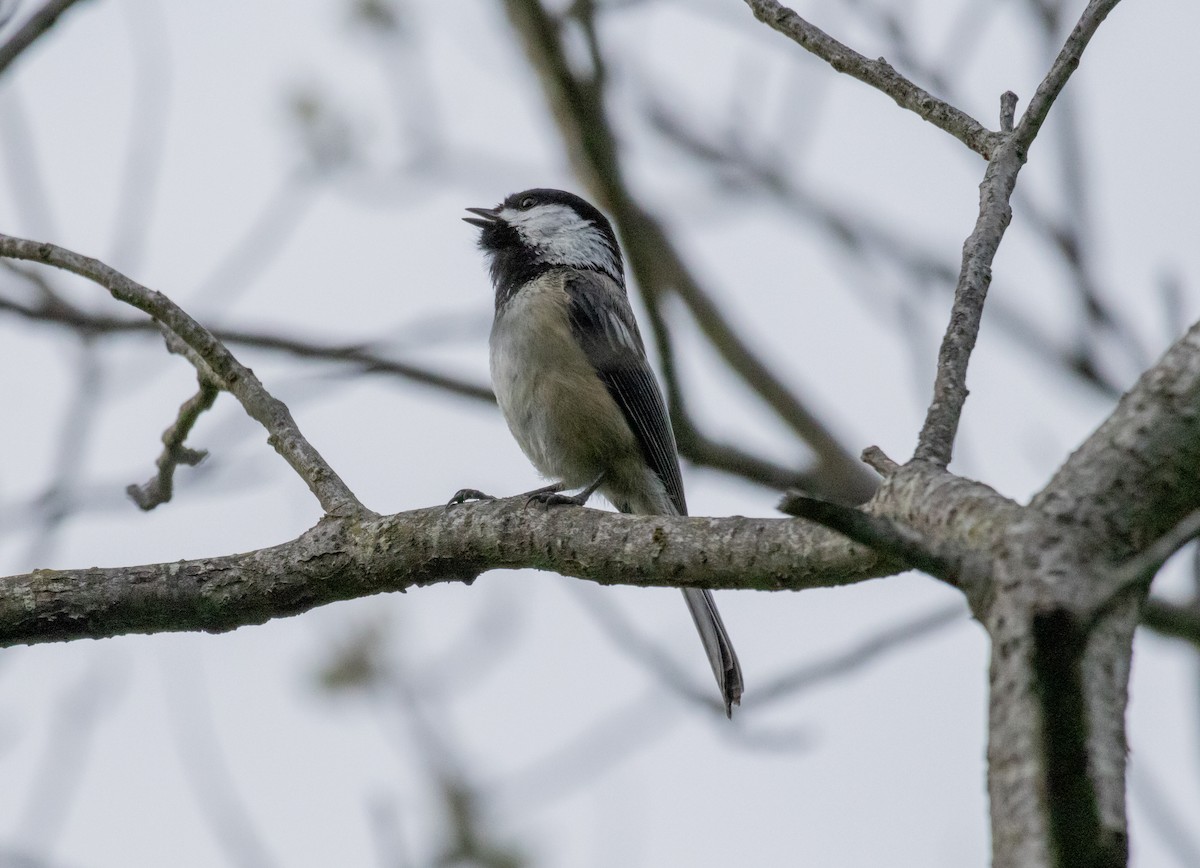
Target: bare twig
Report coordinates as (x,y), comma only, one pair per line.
(58,500)
(880,75)
(644,651)
(1140,569)
(37,24)
(1174,620)
(858,236)
(1064,65)
(1132,578)
(1008,111)
(877,460)
(160,487)
(860,655)
(889,538)
(694,445)
(362,356)
(936,441)
(335,497)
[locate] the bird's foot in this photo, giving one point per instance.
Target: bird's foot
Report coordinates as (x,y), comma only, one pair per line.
(554,498)
(465,494)
(550,496)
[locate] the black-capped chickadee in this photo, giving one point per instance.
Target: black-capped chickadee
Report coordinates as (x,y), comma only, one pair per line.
(571,377)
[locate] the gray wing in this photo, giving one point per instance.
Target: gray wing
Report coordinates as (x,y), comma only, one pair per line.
(603,324)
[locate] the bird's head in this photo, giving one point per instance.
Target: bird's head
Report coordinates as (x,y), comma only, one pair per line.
(536,230)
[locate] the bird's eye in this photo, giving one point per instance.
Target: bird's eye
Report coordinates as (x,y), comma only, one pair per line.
(527,202)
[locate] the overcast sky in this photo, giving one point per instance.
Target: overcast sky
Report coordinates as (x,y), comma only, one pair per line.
(162,137)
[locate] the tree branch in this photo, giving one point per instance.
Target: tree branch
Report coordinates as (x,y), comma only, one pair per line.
(332,493)
(160,487)
(37,24)
(1077,838)
(1133,577)
(693,444)
(344,558)
(362,356)
(890,539)
(936,440)
(1173,620)
(880,75)
(1064,65)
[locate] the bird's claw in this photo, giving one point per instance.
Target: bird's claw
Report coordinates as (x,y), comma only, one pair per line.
(553,498)
(465,494)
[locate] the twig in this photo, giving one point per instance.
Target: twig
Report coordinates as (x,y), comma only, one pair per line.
(159,488)
(37,24)
(936,441)
(859,237)
(1008,111)
(361,355)
(694,445)
(880,75)
(877,460)
(860,655)
(1065,64)
(643,650)
(1174,620)
(60,499)
(1134,576)
(332,493)
(887,537)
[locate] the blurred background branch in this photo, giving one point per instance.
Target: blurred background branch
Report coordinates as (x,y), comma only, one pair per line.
(708,162)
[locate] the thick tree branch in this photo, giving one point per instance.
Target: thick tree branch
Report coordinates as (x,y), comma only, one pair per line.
(335,497)
(1076,835)
(344,558)
(880,75)
(1137,477)
(1130,484)
(352,556)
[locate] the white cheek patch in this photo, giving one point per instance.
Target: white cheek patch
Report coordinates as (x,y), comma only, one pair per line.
(564,238)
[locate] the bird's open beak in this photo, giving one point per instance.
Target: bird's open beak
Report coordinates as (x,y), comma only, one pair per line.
(487,216)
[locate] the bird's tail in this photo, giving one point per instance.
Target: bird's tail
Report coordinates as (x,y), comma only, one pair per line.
(716,645)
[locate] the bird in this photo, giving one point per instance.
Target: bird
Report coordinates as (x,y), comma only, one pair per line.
(571,376)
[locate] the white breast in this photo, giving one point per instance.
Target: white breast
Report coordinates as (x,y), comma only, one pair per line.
(557,409)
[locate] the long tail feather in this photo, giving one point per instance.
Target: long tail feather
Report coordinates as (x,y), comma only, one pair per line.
(716,645)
